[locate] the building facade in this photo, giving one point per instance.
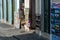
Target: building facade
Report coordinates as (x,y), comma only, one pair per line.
(8,7)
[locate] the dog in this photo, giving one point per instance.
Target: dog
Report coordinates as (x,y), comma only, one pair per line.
(27,26)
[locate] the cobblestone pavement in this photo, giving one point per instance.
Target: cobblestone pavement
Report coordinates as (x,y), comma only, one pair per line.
(31,36)
(9,33)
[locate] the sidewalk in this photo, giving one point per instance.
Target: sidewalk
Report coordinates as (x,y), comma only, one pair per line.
(8,32)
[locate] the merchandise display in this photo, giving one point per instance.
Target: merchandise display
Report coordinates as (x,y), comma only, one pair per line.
(55,21)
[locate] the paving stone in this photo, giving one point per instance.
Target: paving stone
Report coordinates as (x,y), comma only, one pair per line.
(17,34)
(32,36)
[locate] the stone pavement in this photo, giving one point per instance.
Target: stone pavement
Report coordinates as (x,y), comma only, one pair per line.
(31,36)
(7,32)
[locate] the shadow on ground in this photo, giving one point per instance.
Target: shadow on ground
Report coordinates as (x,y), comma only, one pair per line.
(5,25)
(30,36)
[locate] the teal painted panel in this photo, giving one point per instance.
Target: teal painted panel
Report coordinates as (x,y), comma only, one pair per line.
(0,12)
(10,11)
(0,9)
(5,10)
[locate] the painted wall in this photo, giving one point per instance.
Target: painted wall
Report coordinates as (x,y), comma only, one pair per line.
(0,8)
(10,11)
(4,10)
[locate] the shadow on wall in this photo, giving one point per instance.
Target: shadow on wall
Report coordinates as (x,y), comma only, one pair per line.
(31,36)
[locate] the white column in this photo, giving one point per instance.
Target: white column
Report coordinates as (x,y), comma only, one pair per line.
(36,1)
